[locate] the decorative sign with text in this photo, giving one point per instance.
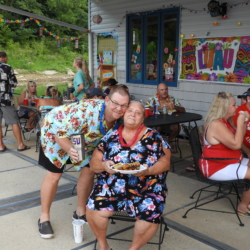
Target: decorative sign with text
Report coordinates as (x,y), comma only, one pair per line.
(224,59)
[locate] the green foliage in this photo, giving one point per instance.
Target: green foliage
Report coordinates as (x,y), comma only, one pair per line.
(40,55)
(71,11)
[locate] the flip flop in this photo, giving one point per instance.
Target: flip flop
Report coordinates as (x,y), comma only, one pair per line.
(2,150)
(191,168)
(246,214)
(23,149)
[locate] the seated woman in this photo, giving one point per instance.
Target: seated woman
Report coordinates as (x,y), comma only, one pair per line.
(222,140)
(143,194)
(51,99)
(28,93)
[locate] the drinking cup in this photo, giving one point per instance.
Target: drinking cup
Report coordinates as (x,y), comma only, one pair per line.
(146,112)
(37,100)
(26,102)
(78,230)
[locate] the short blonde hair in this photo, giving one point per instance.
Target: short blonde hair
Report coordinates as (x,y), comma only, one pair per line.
(29,84)
(219,107)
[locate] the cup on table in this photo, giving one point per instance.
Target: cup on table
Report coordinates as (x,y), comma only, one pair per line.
(26,102)
(146,112)
(78,230)
(37,100)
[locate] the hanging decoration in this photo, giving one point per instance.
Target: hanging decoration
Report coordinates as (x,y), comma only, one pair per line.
(223,12)
(40,31)
(216,59)
(76,43)
(42,28)
(97,19)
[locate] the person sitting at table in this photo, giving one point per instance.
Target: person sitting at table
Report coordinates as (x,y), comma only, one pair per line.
(243,97)
(223,141)
(244,107)
(163,98)
(142,194)
(94,93)
(51,99)
(28,93)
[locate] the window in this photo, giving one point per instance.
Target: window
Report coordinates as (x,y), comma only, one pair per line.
(152,40)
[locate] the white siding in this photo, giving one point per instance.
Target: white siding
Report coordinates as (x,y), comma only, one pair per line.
(195,96)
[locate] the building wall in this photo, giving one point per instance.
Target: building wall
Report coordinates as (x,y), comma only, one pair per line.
(195,96)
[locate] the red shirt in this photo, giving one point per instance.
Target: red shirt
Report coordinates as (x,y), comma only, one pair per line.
(246,139)
(209,167)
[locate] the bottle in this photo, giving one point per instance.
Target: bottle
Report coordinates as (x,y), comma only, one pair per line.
(33,101)
(164,109)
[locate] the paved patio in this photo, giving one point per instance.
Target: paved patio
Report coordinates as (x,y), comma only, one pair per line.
(21,177)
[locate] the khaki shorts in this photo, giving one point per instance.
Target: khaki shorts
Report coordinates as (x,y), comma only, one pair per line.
(9,114)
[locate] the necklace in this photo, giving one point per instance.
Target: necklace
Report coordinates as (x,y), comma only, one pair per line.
(134,138)
(102,119)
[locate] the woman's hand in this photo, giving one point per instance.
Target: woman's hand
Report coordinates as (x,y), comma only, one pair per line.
(73,153)
(144,172)
(244,114)
(107,165)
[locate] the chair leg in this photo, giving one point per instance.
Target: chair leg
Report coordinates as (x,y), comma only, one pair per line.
(73,190)
(95,244)
(6,129)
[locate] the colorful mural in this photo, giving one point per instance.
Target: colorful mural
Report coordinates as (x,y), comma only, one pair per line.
(224,59)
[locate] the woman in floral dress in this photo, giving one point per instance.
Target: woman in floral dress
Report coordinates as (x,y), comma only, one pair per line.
(143,194)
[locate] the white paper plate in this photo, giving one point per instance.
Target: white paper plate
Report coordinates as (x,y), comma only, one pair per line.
(130,171)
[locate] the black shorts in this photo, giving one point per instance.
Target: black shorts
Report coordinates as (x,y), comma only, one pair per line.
(47,164)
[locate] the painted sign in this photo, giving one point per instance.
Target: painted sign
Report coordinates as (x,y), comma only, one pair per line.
(224,59)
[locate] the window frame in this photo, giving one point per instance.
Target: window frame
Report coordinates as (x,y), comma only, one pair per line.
(143,15)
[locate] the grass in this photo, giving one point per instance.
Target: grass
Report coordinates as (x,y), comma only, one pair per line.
(39,55)
(41,88)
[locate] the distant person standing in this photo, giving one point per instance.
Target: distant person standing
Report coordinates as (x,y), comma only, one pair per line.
(82,81)
(111,83)
(7,111)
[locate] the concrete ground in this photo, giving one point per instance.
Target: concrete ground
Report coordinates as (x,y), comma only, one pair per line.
(21,177)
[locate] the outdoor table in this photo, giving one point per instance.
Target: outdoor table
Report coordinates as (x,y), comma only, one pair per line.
(174,118)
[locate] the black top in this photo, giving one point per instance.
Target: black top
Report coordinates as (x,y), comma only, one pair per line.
(7,81)
(175,118)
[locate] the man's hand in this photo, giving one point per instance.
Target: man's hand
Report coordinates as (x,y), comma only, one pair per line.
(73,153)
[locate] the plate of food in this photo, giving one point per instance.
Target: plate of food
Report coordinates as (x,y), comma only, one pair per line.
(128,168)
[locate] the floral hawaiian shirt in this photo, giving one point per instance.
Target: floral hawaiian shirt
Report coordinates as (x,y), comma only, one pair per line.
(142,197)
(63,121)
(154,100)
(7,81)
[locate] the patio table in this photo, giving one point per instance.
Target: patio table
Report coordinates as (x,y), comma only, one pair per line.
(174,118)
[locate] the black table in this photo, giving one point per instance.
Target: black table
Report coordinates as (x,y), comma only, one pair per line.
(177,117)
(174,118)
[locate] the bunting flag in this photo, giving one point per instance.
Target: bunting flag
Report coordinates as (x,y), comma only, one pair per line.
(44,29)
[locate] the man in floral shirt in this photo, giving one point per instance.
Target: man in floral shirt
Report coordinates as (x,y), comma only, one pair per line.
(7,110)
(163,98)
(93,118)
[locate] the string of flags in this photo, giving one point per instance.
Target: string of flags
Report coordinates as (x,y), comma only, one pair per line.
(171,6)
(44,29)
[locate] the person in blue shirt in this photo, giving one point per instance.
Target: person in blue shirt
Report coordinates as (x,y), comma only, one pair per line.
(82,81)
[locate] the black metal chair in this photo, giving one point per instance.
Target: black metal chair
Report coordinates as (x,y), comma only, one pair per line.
(123,216)
(225,188)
